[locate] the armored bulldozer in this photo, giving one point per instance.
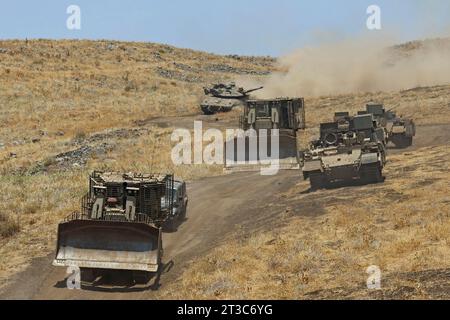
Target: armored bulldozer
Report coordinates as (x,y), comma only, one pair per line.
(287,115)
(223,97)
(400,130)
(120,224)
(352,148)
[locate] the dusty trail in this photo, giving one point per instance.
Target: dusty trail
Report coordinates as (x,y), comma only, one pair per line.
(217,206)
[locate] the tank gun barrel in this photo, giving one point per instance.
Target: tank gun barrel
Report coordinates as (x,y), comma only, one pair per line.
(253,90)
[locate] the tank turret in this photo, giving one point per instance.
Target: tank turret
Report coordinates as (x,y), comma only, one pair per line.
(223,97)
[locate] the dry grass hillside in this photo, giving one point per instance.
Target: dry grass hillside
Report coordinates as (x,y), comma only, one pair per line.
(329,239)
(67,107)
(53,91)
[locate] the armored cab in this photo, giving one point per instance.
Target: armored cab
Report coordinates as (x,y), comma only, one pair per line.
(119,225)
(223,97)
(351,148)
(400,131)
(281,113)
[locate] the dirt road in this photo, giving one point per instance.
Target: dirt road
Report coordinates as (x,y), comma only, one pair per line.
(217,207)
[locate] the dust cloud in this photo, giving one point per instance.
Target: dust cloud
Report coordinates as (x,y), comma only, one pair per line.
(360,66)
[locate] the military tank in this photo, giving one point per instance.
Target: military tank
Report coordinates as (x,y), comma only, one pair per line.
(352,148)
(223,97)
(400,130)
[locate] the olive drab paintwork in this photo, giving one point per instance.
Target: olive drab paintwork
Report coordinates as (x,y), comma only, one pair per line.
(223,97)
(280,113)
(287,115)
(120,223)
(350,148)
(400,130)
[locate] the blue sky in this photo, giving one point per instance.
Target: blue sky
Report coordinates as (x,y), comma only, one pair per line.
(260,27)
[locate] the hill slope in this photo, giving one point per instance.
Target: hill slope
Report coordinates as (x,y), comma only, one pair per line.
(67,107)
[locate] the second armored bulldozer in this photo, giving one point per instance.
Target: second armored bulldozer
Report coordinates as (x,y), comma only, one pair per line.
(223,97)
(119,226)
(351,148)
(286,115)
(400,130)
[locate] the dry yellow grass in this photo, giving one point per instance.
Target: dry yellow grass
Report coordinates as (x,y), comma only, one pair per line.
(397,226)
(57,95)
(57,90)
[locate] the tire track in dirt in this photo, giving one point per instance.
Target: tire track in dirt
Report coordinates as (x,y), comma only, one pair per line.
(217,206)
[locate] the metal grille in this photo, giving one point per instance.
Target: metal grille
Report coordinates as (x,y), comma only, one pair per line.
(241,122)
(154,202)
(148,201)
(140,218)
(151,195)
(168,198)
(113,191)
(86,205)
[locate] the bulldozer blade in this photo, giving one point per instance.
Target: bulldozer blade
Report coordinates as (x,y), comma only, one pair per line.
(108,245)
(287,155)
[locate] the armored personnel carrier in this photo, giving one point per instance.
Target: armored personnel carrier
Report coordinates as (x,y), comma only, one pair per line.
(223,97)
(400,131)
(120,224)
(351,148)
